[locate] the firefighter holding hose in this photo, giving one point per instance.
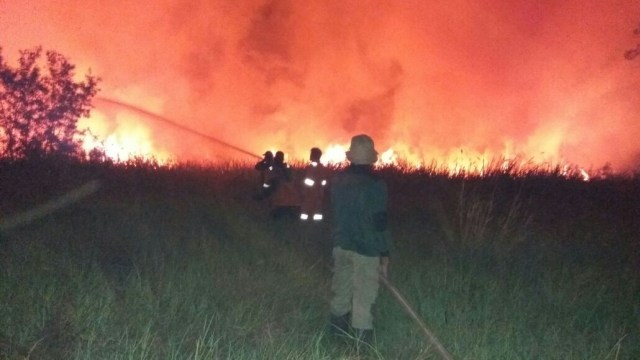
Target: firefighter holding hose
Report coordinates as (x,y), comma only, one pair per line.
(264,166)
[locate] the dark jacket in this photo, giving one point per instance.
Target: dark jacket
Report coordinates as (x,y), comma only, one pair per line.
(313,189)
(359,207)
(282,190)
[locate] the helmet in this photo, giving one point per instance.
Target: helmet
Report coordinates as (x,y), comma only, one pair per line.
(362,150)
(315,155)
(279,158)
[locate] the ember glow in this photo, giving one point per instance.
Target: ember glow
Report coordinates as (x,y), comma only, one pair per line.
(459,83)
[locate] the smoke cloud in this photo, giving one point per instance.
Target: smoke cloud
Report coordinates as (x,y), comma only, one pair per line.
(545,80)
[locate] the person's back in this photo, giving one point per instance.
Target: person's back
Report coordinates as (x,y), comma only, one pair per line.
(359,200)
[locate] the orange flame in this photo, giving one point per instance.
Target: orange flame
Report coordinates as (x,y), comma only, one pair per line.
(131,139)
(460,85)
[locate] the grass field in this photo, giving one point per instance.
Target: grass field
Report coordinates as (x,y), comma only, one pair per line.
(181,263)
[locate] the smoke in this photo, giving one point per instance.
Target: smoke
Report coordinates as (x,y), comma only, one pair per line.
(545,80)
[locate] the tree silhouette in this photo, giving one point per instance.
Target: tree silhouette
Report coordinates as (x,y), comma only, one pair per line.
(40,105)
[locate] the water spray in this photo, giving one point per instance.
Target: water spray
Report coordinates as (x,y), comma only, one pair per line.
(175,124)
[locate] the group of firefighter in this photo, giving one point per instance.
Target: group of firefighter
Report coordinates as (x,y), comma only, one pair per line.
(287,196)
(360,235)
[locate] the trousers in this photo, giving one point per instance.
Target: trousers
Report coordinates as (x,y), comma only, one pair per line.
(355,286)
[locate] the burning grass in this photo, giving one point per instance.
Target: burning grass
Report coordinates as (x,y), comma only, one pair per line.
(180,263)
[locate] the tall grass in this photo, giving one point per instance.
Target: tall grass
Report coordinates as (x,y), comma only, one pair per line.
(180,263)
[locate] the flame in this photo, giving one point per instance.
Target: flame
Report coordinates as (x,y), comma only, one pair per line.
(389,158)
(129,140)
(461,162)
(125,137)
(335,154)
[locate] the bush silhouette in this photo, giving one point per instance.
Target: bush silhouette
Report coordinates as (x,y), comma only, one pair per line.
(40,105)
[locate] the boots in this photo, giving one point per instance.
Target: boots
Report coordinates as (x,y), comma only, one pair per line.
(339,325)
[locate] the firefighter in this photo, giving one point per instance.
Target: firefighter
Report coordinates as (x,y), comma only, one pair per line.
(361,240)
(264,166)
(283,192)
(313,188)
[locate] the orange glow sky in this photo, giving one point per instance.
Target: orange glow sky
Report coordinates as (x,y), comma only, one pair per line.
(432,80)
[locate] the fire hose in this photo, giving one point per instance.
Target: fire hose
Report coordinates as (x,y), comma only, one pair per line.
(433,340)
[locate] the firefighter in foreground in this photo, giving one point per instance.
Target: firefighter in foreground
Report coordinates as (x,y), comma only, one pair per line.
(361,241)
(313,188)
(281,189)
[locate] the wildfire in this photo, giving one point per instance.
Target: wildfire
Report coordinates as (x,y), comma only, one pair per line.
(463,87)
(129,138)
